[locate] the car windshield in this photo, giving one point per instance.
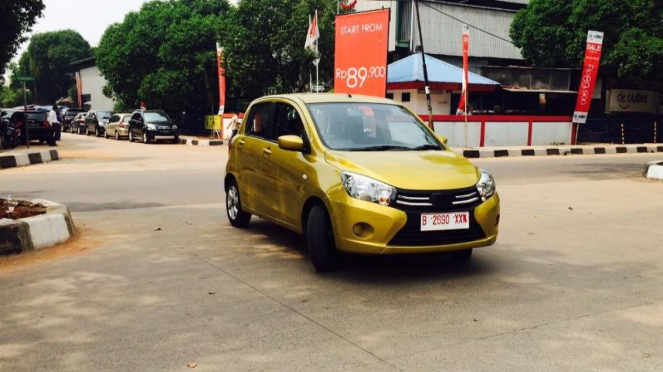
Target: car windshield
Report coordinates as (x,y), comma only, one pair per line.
(156,118)
(103,114)
(370,127)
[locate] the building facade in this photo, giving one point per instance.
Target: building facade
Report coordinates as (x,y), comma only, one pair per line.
(92,84)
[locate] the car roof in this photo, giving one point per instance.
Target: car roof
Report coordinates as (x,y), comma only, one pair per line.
(307,98)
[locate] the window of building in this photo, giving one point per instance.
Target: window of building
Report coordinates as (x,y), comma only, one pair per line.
(405,97)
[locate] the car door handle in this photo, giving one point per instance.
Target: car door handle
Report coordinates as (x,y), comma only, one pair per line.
(240,144)
(267,151)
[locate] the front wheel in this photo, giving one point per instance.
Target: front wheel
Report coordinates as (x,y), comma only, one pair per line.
(131,136)
(105,134)
(320,240)
(146,140)
(462,256)
(117,135)
(237,216)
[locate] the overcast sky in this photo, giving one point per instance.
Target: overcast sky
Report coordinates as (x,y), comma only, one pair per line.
(89,17)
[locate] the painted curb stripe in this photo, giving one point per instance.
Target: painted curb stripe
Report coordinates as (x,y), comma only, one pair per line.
(552,151)
(501,153)
(7,161)
(622,150)
(55,155)
(599,150)
(528,152)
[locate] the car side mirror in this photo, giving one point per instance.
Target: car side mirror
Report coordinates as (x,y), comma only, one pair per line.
(291,143)
(443,139)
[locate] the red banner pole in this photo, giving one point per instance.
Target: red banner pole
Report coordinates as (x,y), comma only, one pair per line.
(588,79)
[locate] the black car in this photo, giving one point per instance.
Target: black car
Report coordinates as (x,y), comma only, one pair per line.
(152,125)
(67,117)
(37,124)
(95,122)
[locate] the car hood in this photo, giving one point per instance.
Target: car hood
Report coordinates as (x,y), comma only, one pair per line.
(410,170)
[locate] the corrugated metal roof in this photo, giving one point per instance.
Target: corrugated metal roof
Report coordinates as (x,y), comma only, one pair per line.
(410,69)
(442,30)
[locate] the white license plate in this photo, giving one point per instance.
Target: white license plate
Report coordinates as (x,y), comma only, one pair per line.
(445,221)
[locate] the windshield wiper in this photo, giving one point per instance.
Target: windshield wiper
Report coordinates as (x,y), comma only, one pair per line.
(427,147)
(383,148)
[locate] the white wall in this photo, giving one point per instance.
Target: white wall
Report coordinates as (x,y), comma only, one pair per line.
(551,133)
(440,101)
(506,133)
(455,132)
(93,84)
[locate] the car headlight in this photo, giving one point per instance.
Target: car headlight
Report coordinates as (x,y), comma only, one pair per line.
(174,127)
(365,188)
(151,127)
(486,185)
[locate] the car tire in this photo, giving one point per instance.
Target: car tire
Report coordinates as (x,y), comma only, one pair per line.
(146,140)
(320,240)
(236,215)
(105,134)
(131,136)
(462,256)
(97,132)
(176,140)
(117,135)
(87,131)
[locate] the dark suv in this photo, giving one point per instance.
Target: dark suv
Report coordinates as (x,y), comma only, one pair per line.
(95,122)
(37,123)
(152,125)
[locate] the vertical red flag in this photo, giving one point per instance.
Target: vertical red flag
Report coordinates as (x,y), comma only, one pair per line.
(222,79)
(588,79)
(466,80)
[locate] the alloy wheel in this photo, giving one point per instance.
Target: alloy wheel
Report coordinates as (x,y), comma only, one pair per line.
(232,201)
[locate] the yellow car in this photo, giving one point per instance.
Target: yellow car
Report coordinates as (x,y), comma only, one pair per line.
(357,174)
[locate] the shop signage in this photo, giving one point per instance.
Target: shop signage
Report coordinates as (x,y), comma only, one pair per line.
(625,100)
(362,41)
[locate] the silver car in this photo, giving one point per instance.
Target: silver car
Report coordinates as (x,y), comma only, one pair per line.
(118,126)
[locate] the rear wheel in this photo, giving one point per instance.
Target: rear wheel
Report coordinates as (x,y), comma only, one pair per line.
(320,240)
(236,215)
(117,135)
(105,134)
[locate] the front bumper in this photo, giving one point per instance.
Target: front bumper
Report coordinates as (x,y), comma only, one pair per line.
(382,225)
(162,135)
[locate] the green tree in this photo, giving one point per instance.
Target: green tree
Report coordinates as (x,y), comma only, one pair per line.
(263,44)
(16,18)
(164,55)
(553,33)
(48,59)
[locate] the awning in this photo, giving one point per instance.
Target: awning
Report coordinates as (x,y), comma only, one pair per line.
(408,73)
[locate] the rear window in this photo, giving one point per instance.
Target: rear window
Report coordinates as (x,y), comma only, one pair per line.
(37,116)
(104,114)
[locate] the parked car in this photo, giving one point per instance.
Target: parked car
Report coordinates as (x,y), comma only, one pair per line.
(10,135)
(67,116)
(152,125)
(357,174)
(37,123)
(77,125)
(118,126)
(95,122)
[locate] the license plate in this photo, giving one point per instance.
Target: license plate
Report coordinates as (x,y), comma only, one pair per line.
(164,132)
(445,221)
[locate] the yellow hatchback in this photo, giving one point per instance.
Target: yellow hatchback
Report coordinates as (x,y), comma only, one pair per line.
(357,174)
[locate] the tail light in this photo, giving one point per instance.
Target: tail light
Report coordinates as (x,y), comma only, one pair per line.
(45,124)
(19,124)
(121,125)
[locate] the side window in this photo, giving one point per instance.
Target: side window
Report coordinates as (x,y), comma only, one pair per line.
(258,123)
(287,121)
(114,119)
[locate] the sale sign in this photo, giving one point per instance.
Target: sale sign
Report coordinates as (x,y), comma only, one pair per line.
(222,79)
(588,78)
(362,42)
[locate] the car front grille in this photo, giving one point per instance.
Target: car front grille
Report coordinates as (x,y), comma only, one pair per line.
(415,202)
(411,234)
(437,201)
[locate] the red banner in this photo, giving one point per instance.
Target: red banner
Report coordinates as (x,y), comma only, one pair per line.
(588,79)
(362,42)
(222,79)
(462,109)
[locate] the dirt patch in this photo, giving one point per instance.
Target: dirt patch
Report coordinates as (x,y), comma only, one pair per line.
(22,210)
(79,244)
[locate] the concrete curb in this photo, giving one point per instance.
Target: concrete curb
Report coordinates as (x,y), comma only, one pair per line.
(28,158)
(559,151)
(654,170)
(38,232)
(197,142)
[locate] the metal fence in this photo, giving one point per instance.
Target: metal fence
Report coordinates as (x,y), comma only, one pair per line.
(636,130)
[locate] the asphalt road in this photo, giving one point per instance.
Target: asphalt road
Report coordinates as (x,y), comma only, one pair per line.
(573,284)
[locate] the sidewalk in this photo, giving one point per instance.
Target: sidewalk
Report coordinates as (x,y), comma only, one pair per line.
(22,157)
(595,149)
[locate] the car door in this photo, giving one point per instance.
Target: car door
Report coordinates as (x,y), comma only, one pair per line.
(252,145)
(111,127)
(286,171)
(135,125)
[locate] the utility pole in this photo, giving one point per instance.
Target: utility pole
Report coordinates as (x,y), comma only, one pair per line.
(25,116)
(423,59)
